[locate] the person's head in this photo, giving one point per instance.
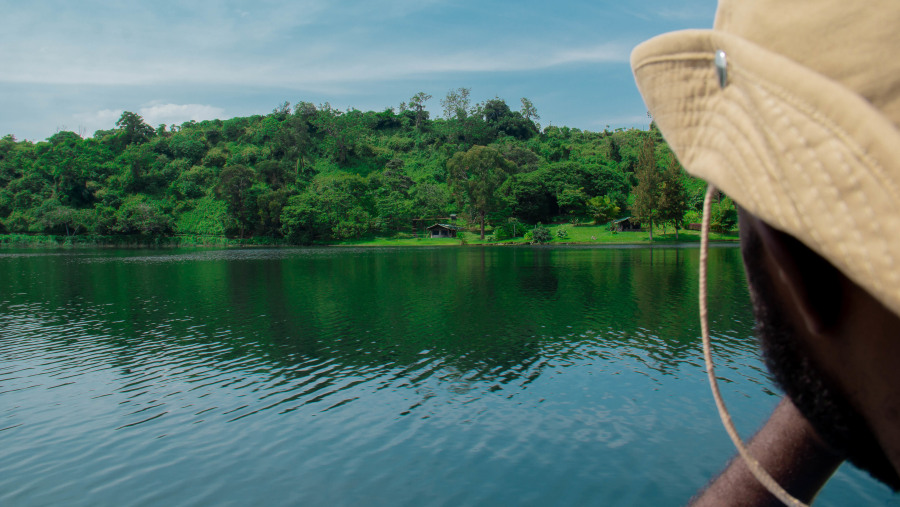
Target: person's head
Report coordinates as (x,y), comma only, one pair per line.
(792,109)
(823,338)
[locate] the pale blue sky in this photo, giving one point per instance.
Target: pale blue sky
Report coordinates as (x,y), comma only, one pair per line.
(77,65)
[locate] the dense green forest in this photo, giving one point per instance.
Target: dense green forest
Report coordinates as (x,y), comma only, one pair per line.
(310,173)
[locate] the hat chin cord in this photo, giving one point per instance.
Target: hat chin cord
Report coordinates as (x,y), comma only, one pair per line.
(755,468)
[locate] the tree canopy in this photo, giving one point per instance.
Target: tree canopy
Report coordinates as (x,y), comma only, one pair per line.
(475,177)
(310,173)
(647,195)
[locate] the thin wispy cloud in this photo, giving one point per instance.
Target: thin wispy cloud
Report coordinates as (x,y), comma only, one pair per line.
(267,43)
(65,61)
(307,69)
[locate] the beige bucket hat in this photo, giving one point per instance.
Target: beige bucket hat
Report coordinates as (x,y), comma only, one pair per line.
(792,108)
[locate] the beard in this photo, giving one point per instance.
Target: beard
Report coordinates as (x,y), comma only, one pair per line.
(815,395)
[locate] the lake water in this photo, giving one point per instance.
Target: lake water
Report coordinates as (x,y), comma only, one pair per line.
(446,376)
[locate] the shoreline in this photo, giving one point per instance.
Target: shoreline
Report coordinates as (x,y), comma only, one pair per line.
(16,241)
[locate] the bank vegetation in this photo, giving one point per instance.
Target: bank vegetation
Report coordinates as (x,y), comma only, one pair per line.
(311,174)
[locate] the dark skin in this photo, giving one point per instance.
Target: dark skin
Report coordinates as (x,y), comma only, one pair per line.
(790,450)
(835,350)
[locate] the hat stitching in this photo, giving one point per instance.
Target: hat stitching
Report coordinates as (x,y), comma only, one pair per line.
(872,169)
(803,218)
(787,189)
(829,185)
(772,144)
(674,58)
(876,172)
(753,150)
(870,215)
(770,140)
(858,151)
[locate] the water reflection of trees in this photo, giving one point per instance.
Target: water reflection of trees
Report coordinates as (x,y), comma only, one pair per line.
(493,312)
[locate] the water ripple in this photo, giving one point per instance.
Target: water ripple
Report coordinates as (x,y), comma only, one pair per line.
(282,376)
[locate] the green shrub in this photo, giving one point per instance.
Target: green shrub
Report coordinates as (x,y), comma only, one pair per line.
(603,209)
(692,217)
(723,216)
(508,230)
(142,216)
(540,234)
(18,221)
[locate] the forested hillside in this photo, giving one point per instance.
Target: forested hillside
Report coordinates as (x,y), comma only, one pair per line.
(313,174)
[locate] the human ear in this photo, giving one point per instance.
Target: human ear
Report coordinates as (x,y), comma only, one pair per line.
(808,283)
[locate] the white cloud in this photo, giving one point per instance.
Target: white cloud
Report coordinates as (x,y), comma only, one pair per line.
(179,113)
(99,120)
(153,115)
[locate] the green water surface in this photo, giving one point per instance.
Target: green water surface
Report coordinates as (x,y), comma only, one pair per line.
(323,376)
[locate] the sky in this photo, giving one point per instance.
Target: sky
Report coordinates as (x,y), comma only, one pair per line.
(78,65)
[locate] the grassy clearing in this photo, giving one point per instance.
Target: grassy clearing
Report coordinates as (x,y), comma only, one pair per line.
(402,239)
(597,234)
(581,235)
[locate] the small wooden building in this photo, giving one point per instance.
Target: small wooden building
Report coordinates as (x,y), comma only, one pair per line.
(442,231)
(626,224)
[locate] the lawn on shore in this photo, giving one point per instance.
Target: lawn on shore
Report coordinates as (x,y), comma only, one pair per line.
(580,235)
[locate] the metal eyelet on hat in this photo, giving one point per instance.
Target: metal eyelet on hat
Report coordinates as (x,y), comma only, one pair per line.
(722,67)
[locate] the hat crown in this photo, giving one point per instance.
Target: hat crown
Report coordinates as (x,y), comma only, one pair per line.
(854,43)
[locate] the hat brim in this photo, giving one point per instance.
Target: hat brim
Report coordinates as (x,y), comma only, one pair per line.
(795,148)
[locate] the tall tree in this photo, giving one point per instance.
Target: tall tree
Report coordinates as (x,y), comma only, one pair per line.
(475,176)
(134,129)
(234,188)
(504,121)
(430,199)
(495,110)
(282,110)
(417,104)
(673,195)
(647,192)
(391,192)
(65,157)
(456,104)
(529,112)
(613,150)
